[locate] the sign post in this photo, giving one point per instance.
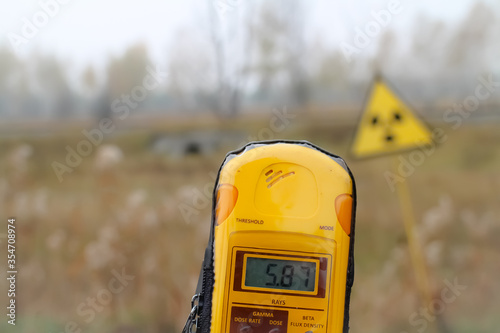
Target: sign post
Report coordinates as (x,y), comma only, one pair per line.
(416,254)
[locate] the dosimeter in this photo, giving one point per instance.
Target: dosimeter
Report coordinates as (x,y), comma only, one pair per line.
(280,254)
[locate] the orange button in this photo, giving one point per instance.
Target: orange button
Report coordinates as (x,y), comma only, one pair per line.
(227,195)
(343,207)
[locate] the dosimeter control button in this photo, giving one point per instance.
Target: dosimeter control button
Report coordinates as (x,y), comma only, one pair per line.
(247,320)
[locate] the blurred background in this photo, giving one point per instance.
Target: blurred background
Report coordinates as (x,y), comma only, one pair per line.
(115,117)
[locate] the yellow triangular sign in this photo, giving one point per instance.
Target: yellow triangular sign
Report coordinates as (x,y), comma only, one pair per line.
(387,125)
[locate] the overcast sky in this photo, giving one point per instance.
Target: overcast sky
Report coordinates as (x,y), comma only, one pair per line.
(89,31)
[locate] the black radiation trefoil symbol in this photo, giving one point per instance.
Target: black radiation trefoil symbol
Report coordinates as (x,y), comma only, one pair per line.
(396,118)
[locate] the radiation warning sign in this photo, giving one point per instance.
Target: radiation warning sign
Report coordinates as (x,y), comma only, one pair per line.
(388,125)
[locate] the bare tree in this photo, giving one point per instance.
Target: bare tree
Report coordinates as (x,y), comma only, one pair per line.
(191,77)
(89,81)
(281,51)
(8,65)
(123,74)
(232,43)
(469,46)
(53,83)
(127,71)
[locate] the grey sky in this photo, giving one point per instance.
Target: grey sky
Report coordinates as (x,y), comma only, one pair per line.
(88,31)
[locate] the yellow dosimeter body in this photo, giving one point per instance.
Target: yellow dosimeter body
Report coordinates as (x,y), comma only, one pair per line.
(282,248)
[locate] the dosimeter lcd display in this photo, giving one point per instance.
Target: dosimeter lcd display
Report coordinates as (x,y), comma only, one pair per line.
(276,273)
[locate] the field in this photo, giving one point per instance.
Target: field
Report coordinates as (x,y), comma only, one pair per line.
(145,215)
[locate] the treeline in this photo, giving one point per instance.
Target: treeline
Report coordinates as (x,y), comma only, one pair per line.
(260,56)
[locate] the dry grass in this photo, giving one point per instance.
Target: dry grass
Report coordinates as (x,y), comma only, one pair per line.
(71,235)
